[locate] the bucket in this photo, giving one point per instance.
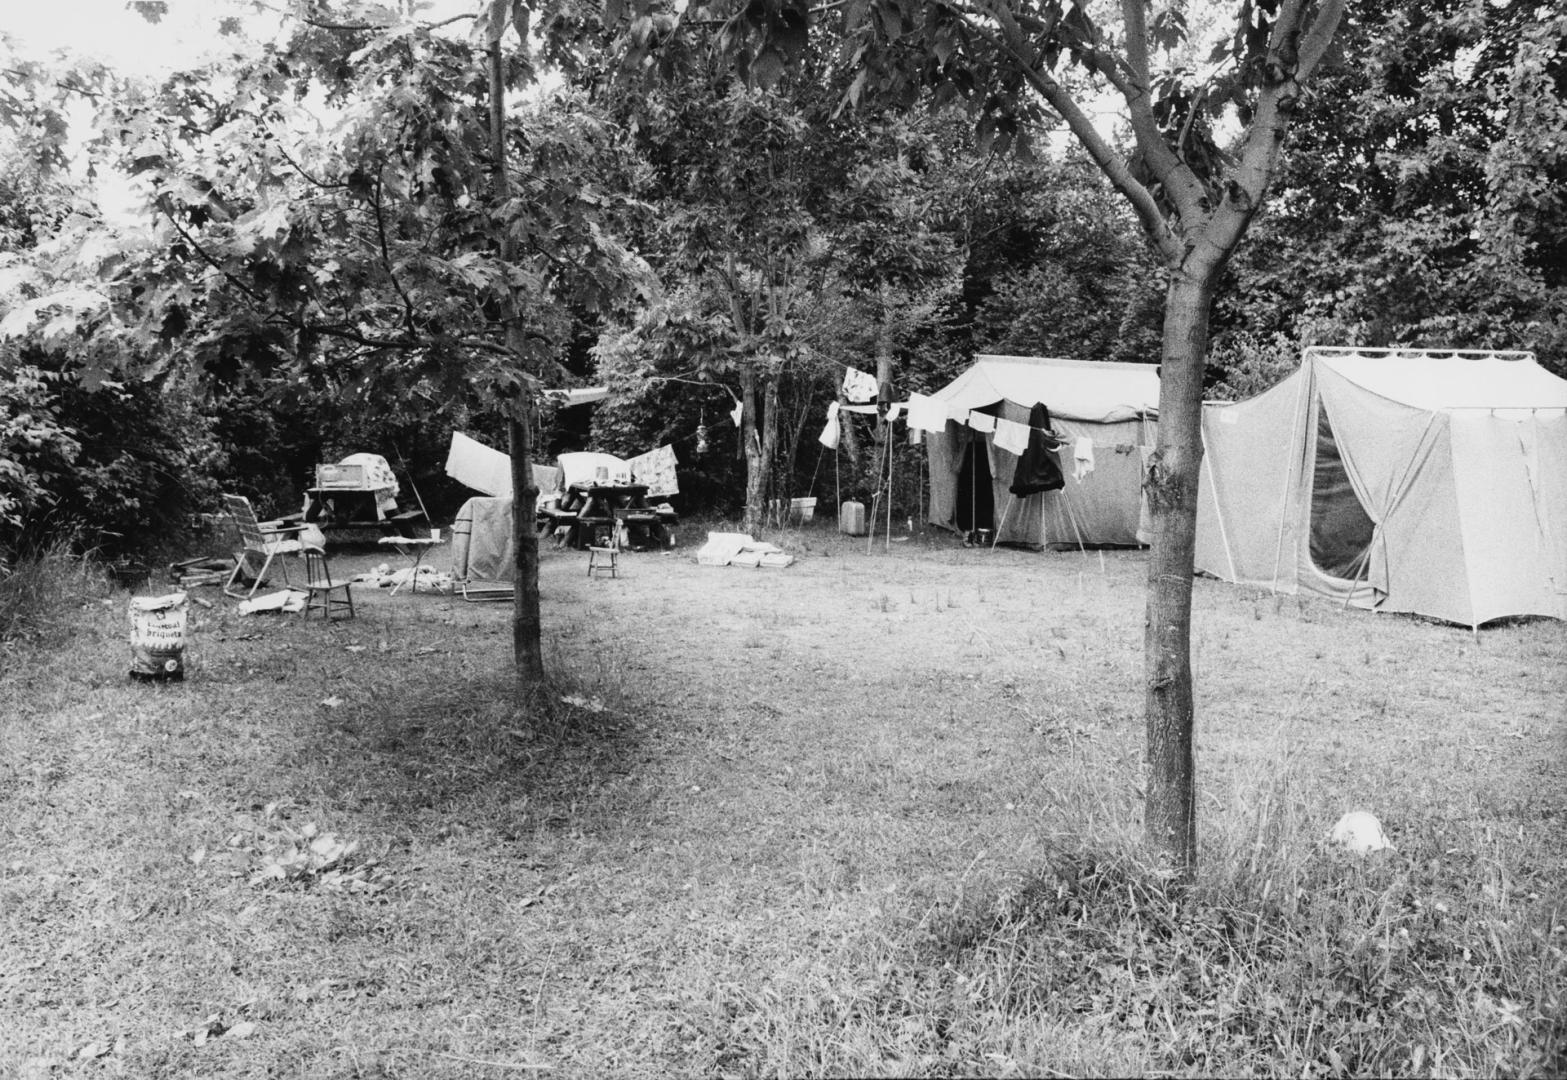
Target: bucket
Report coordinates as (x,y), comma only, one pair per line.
(158,638)
(851,518)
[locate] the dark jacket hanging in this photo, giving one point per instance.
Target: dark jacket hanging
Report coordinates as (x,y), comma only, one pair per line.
(1038,469)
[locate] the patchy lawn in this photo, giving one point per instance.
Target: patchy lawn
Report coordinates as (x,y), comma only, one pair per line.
(875,813)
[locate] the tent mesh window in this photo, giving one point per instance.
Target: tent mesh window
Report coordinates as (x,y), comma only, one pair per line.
(1341,529)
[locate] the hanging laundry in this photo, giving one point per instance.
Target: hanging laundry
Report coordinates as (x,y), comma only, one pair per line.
(894,411)
(1082,458)
(1038,470)
(656,469)
(830,433)
(1011,436)
(927,413)
(858,386)
(738,412)
(981,421)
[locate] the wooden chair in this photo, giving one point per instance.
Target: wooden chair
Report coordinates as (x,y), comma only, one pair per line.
(319,586)
(265,542)
(603,554)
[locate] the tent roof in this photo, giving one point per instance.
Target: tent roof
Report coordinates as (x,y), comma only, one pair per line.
(1101,391)
(1436,380)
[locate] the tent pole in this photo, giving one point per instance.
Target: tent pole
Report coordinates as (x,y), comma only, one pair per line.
(973,480)
(994,540)
(870,533)
(890,444)
(1218,509)
(401,461)
(1301,408)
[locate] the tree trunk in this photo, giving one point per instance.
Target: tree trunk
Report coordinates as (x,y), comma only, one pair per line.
(770,425)
(849,440)
(883,365)
(1170,817)
(751,446)
(527,632)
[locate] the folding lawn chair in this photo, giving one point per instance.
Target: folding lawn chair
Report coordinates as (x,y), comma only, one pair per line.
(265,542)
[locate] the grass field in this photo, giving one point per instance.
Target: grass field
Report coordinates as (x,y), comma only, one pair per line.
(873,814)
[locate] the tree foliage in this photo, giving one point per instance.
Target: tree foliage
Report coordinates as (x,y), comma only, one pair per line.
(1421,200)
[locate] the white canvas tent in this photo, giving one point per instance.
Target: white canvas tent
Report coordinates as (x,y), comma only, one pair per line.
(1423,481)
(1105,409)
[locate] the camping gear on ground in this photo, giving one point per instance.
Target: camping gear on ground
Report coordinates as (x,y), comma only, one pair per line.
(281,601)
(1113,405)
(851,518)
(739,549)
(413,548)
(158,637)
(257,541)
(1424,481)
(321,588)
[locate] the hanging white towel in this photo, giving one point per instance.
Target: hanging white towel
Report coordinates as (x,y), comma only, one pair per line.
(830,433)
(927,413)
(1011,437)
(859,386)
(738,412)
(981,421)
(1082,458)
(894,411)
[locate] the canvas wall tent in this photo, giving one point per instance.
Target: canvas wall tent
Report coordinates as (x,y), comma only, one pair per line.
(1113,406)
(1423,481)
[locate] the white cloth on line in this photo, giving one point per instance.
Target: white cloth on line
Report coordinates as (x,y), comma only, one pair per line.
(830,433)
(1082,457)
(1011,436)
(981,421)
(928,413)
(858,385)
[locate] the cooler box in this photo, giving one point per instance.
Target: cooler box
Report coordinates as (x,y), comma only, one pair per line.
(340,476)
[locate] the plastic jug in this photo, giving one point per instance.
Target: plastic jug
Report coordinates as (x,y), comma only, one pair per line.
(851,518)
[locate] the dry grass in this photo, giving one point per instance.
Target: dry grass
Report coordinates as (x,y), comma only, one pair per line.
(872,814)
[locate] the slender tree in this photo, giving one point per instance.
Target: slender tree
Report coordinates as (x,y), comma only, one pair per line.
(1015,60)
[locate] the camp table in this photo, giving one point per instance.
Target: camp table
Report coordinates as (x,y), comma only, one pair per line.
(590,508)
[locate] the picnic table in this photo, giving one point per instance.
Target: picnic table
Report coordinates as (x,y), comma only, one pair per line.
(591,512)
